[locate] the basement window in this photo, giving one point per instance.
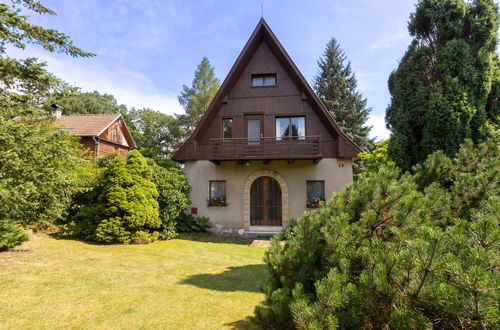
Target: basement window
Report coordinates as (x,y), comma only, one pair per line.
(264,80)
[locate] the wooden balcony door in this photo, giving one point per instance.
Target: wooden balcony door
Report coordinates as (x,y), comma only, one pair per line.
(254,128)
(265,202)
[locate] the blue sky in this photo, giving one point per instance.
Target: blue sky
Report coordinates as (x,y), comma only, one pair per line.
(147,49)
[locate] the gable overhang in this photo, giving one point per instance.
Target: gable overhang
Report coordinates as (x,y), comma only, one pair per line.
(263,33)
(128,135)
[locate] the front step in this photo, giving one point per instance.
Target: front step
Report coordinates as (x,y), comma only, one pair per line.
(262,232)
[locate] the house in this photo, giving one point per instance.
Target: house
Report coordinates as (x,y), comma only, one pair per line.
(99,133)
(266,150)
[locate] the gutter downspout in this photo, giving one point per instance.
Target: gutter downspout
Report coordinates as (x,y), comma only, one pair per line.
(96,141)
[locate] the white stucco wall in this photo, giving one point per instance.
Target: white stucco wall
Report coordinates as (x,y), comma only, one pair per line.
(231,218)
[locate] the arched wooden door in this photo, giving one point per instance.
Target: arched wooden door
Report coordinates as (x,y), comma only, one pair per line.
(265,202)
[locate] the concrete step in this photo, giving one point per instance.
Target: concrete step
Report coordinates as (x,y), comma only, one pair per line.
(262,232)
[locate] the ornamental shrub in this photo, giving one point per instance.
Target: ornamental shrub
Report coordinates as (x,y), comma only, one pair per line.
(186,223)
(122,207)
(127,202)
(173,196)
(395,251)
(10,235)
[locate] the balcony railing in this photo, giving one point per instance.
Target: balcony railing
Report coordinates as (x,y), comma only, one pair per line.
(297,147)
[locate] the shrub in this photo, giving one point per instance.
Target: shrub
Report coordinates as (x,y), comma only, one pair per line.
(40,170)
(187,223)
(10,235)
(395,251)
(122,206)
(173,196)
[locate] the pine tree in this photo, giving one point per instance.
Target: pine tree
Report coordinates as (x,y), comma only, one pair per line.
(197,98)
(395,251)
(442,89)
(336,86)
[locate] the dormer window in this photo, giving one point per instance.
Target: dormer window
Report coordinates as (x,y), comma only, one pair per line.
(264,80)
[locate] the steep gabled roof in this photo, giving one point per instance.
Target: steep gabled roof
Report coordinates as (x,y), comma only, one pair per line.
(263,33)
(92,125)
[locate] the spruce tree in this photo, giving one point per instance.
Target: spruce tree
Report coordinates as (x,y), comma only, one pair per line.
(197,98)
(127,206)
(442,89)
(336,86)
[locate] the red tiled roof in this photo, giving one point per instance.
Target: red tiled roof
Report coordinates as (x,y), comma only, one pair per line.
(86,125)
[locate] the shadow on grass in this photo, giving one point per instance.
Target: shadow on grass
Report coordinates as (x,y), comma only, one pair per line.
(242,324)
(211,238)
(195,237)
(247,278)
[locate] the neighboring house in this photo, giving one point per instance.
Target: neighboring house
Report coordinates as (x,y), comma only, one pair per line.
(101,134)
(266,149)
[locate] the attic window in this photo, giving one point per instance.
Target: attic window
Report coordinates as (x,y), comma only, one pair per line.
(264,80)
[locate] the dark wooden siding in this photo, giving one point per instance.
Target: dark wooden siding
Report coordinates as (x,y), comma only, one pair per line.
(283,100)
(263,54)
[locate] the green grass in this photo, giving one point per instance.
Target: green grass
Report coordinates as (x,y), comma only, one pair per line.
(196,281)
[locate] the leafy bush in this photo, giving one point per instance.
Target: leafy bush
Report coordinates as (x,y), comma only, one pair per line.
(41,168)
(173,196)
(395,251)
(187,223)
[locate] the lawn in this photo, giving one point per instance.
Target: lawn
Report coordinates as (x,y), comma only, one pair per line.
(196,281)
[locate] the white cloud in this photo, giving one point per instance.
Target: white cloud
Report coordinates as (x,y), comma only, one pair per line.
(133,89)
(379,131)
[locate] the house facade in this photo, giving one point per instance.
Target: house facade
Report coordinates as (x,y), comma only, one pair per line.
(98,133)
(266,150)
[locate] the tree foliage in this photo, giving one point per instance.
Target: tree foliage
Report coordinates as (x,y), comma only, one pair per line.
(122,207)
(17,31)
(132,199)
(157,135)
(25,83)
(395,251)
(445,88)
(197,98)
(173,197)
(40,169)
(375,159)
(76,102)
(336,86)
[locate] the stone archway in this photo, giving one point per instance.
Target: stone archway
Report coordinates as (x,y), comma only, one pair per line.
(246,196)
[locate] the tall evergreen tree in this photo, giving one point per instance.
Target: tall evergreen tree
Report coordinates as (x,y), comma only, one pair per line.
(197,98)
(442,90)
(24,83)
(336,86)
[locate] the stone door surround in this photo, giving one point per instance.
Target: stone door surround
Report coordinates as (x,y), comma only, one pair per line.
(246,196)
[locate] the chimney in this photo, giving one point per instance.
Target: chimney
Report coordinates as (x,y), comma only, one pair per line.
(56,110)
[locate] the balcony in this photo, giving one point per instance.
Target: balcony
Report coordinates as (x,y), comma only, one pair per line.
(265,148)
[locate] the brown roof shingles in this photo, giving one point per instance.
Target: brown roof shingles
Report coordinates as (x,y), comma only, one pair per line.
(86,125)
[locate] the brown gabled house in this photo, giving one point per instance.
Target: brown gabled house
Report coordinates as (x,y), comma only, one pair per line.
(99,133)
(266,149)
